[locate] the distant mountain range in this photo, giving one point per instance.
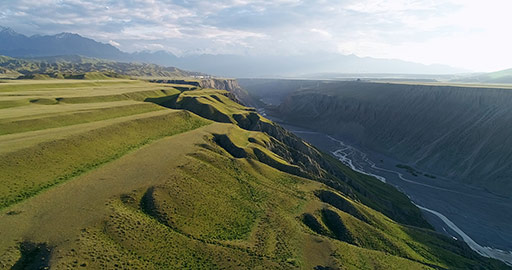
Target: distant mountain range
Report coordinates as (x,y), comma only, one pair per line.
(18,45)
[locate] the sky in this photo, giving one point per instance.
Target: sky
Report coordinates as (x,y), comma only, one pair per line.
(469,34)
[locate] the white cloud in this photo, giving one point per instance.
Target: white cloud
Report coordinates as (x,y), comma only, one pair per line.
(470,34)
(321,32)
(465,33)
(113,43)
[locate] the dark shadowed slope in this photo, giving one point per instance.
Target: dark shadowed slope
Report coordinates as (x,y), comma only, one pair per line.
(459,132)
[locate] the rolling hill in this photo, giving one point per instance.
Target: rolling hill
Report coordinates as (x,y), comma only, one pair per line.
(77,67)
(129,174)
(499,77)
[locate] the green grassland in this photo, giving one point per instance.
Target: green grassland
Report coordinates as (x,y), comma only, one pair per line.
(121,174)
(79,67)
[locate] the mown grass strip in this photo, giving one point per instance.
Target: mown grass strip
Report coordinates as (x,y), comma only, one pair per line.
(4,104)
(138,96)
(28,171)
(9,126)
(22,86)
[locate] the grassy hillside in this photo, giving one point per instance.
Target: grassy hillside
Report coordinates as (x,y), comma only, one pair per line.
(123,174)
(78,67)
(502,76)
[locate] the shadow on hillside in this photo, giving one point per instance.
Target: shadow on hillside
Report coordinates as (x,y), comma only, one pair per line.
(167,101)
(33,256)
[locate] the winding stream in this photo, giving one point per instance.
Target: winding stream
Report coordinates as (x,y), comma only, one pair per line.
(360,162)
(452,208)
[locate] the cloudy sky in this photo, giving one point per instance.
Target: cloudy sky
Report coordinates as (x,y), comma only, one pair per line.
(471,34)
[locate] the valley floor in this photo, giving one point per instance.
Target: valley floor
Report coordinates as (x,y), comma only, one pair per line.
(483,216)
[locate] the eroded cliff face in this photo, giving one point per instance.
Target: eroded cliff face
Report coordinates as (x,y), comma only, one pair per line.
(460,132)
(222,84)
(230,85)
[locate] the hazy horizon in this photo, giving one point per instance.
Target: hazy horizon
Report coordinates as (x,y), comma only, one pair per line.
(465,34)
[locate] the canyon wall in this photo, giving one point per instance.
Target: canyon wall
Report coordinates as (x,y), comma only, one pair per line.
(464,133)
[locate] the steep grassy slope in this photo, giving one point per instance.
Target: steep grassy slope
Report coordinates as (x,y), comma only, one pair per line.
(114,129)
(227,84)
(202,182)
(459,132)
